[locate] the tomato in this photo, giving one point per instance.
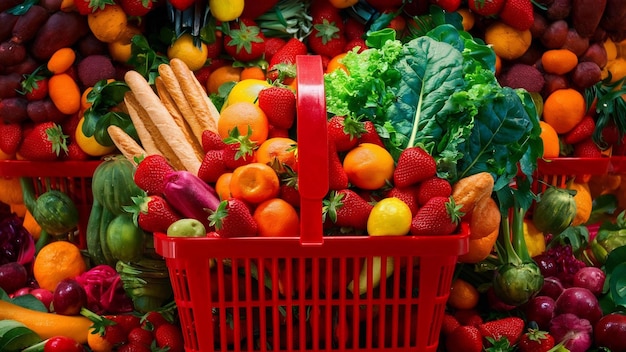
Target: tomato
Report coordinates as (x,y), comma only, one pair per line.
(89,144)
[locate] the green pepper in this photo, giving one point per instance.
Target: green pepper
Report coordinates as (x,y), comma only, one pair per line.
(610,236)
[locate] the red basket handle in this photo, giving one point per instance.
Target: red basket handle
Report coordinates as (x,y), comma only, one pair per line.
(312,147)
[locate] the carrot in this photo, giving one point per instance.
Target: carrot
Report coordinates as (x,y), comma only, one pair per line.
(61,60)
(64,93)
(47,325)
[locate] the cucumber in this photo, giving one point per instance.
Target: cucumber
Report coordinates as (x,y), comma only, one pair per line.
(105,220)
(94,247)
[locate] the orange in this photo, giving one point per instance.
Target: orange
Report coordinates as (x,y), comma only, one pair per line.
(563,109)
(368,166)
(253,72)
(277,151)
(97,342)
(222,75)
(244,115)
(558,61)
(507,42)
(108,24)
(584,203)
(550,139)
(276,218)
(463,295)
(468,18)
(254,183)
(222,185)
(498,65)
(192,51)
(57,261)
(335,63)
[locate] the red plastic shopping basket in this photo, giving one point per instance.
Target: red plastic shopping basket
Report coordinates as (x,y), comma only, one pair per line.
(558,171)
(290,293)
(71,177)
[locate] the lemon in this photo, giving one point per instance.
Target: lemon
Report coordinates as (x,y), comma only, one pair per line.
(226,11)
(185,49)
(89,144)
(389,217)
(245,90)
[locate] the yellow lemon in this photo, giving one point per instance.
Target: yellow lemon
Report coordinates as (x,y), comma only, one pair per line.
(226,11)
(535,240)
(89,144)
(192,52)
(245,90)
(389,217)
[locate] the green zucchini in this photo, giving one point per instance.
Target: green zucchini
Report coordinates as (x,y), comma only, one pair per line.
(105,219)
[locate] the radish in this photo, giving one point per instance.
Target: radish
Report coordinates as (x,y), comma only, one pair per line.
(579,301)
(591,278)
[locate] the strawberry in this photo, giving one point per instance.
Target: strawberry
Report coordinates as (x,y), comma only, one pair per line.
(212,166)
(35,87)
(536,341)
(468,317)
(244,41)
(447,5)
(353,29)
(370,135)
(290,194)
(272,46)
(518,14)
(414,165)
(510,328)
(323,10)
(587,149)
(126,321)
(43,142)
(326,39)
(465,338)
(439,216)
(85,7)
(74,152)
(433,187)
(181,5)
(232,218)
(134,347)
(345,208)
(337,176)
(212,141)
(11,137)
(152,213)
(279,104)
(141,336)
(152,320)
(485,7)
(283,62)
(583,130)
(151,172)
(356,43)
(136,8)
(170,336)
(239,149)
(610,134)
(408,195)
(449,324)
(344,132)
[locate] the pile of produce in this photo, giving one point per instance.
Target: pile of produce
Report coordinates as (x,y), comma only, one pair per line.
(438,112)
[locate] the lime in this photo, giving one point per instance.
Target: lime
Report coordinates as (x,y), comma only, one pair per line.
(389,217)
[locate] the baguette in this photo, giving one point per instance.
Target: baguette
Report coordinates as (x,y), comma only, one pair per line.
(126,144)
(157,113)
(145,136)
(206,113)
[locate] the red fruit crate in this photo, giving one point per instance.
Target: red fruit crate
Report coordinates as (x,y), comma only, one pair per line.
(558,171)
(291,293)
(70,177)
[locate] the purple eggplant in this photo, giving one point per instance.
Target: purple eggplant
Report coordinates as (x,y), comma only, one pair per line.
(190,195)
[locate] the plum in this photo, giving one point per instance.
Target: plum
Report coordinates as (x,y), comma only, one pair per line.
(575,43)
(11,53)
(13,110)
(9,85)
(68,297)
(540,309)
(596,52)
(555,34)
(29,23)
(13,276)
(62,29)
(586,74)
(44,110)
(559,9)
(7,21)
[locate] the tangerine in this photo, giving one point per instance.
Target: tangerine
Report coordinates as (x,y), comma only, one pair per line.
(550,139)
(194,54)
(507,42)
(254,183)
(244,116)
(221,75)
(222,185)
(369,166)
(563,109)
(57,261)
(275,217)
(463,295)
(277,151)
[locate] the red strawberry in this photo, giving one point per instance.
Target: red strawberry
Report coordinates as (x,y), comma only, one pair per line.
(43,142)
(344,132)
(414,165)
(324,10)
(212,141)
(468,317)
(152,213)
(610,134)
(337,176)
(583,130)
(150,174)
(235,155)
(465,338)
(587,149)
(170,335)
(279,104)
(141,336)
(126,321)
(433,187)
(345,208)
(114,334)
(290,194)
(510,328)
(355,43)
(282,64)
(447,5)
(84,7)
(74,152)
(152,320)
(136,7)
(536,341)
(202,75)
(486,7)
(326,39)
(232,218)
(408,195)
(36,88)
(449,324)
(134,347)
(212,166)
(181,5)
(439,216)
(245,41)
(11,137)
(353,29)
(272,46)
(518,14)
(370,135)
